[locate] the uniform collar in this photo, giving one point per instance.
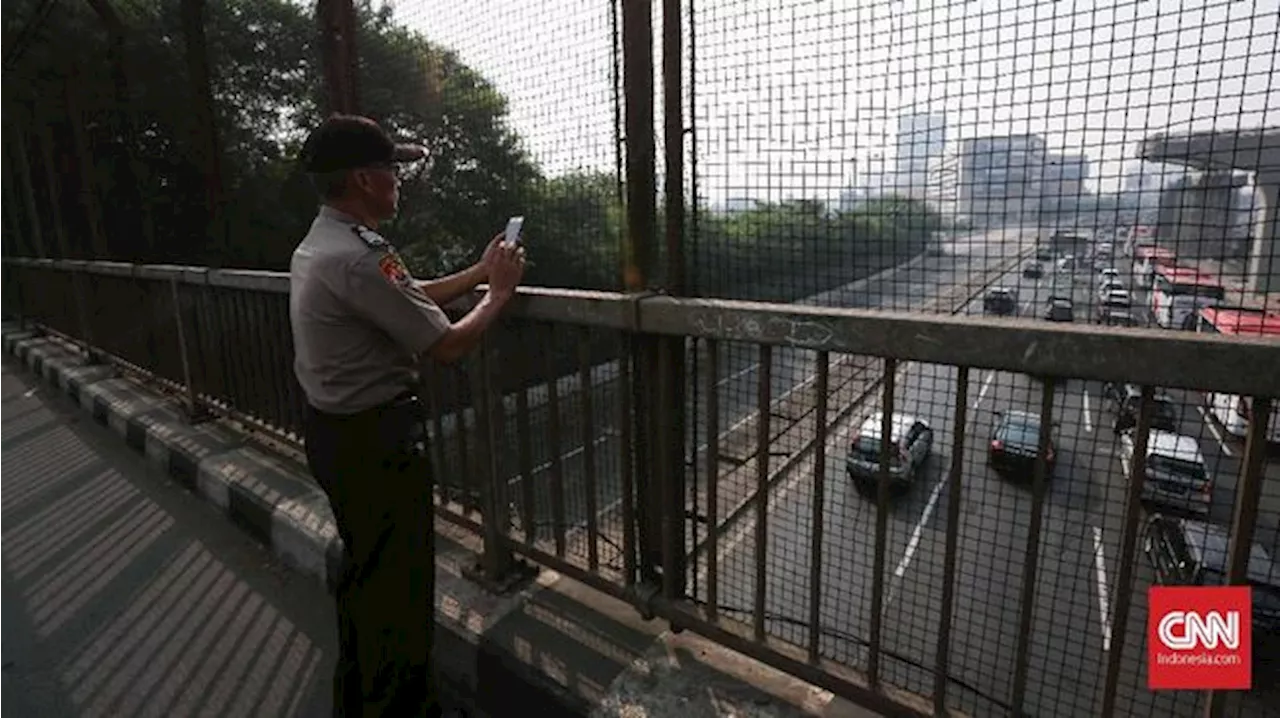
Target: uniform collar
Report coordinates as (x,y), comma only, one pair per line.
(336,215)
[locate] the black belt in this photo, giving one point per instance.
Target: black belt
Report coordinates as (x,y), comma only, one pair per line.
(405,399)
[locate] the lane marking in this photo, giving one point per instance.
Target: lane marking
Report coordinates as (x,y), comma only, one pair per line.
(1086,411)
(986,384)
(1104,609)
(916,533)
(746,525)
(580,449)
(738,374)
(799,386)
(1213,429)
(914,542)
(779,492)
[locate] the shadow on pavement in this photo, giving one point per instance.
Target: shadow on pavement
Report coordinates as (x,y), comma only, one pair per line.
(124,595)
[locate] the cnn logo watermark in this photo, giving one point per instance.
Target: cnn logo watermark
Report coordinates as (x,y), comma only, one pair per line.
(1199,638)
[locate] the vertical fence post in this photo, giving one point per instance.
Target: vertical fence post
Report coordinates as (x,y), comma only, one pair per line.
(639,258)
(1122,588)
(79,280)
(1244,518)
(670,439)
(192,409)
(28,194)
(337,20)
(497,563)
(17,245)
(54,188)
(89,185)
(203,118)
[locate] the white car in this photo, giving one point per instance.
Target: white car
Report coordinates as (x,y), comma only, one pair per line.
(1117,298)
(1176,474)
(1108,273)
(911,441)
(1110,285)
(1233,413)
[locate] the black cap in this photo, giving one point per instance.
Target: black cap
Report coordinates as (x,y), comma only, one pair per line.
(346,142)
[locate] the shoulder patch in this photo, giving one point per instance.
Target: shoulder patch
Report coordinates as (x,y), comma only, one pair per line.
(371,239)
(393,269)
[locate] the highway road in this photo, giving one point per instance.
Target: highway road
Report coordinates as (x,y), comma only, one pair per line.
(1078,557)
(912,285)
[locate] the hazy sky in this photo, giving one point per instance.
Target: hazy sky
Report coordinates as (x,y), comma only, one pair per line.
(793,97)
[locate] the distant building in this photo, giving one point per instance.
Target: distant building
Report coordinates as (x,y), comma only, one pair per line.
(1206,214)
(921,145)
(1142,177)
(999,179)
(1143,183)
(740,204)
(1062,182)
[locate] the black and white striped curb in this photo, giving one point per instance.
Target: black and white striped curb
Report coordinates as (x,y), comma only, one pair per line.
(279,504)
(276,503)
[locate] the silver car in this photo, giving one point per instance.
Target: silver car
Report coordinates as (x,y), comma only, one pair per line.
(910,443)
(1176,476)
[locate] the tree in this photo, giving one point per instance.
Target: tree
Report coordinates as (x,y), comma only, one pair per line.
(577,223)
(263,75)
(477,174)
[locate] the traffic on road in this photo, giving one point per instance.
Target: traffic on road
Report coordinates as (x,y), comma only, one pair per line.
(1192,464)
(583,461)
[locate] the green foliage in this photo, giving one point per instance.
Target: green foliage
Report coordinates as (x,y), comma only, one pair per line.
(789,250)
(267,89)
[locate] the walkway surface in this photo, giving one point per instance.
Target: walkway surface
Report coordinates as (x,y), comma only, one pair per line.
(126,595)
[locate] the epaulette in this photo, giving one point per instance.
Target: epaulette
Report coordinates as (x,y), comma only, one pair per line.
(371,239)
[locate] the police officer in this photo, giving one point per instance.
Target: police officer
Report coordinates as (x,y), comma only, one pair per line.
(361,323)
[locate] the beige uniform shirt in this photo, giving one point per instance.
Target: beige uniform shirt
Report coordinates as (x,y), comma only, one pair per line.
(360,323)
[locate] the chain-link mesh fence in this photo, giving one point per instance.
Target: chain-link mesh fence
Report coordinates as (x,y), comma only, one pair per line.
(168,132)
(919,143)
(1100,163)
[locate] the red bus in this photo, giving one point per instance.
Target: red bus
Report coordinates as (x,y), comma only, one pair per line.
(1178,292)
(1230,410)
(1146,258)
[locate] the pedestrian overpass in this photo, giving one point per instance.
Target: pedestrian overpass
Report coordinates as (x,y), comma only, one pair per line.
(691,538)
(1256,151)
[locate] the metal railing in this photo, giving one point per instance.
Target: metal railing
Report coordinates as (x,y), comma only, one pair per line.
(748,538)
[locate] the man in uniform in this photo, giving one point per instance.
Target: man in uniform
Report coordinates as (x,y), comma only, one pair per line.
(361,323)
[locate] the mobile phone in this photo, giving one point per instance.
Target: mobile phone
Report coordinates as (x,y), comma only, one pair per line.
(513,230)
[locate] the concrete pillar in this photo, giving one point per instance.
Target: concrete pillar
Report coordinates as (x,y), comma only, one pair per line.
(1264,256)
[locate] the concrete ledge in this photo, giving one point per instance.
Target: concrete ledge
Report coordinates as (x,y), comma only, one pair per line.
(554,647)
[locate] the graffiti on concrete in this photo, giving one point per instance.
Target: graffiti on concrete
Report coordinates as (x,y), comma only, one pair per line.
(774,330)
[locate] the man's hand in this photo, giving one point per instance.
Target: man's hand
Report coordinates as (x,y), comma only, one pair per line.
(485,264)
(506,268)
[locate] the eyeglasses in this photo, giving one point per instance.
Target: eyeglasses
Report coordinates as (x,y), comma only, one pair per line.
(405,172)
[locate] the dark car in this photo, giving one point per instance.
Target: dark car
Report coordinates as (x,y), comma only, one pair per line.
(1015,444)
(1033,270)
(1044,254)
(1112,304)
(1060,309)
(1000,301)
(1188,552)
(1117,317)
(1124,399)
